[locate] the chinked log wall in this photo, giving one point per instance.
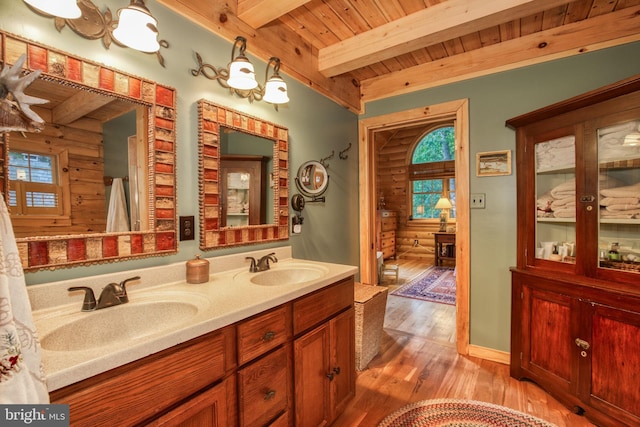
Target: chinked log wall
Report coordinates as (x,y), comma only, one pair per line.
(392,152)
(83,141)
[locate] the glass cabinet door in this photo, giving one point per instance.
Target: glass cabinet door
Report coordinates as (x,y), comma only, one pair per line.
(555,188)
(619,195)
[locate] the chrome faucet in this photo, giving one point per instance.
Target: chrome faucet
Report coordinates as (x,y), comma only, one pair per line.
(263,263)
(112,294)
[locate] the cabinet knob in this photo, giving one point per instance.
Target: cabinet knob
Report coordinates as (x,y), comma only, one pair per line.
(582,344)
(330,375)
(269,336)
(337,370)
(270,394)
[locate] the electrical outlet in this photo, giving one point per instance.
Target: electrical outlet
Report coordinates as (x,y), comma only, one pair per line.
(415,243)
(187,227)
(477,201)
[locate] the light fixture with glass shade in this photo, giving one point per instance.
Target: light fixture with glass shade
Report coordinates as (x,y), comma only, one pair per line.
(137,28)
(275,89)
(444,205)
(241,73)
(67,9)
(239,77)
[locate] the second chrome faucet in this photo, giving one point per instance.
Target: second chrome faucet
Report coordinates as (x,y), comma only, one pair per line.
(112,294)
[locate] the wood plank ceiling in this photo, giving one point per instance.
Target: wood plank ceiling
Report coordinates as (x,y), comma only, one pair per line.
(355,51)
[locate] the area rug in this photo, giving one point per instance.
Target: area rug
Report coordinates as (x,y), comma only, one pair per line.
(437,284)
(459,413)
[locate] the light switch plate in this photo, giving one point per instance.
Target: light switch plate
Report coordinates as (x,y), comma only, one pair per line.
(477,201)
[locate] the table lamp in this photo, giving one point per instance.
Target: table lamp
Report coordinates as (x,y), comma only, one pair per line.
(444,205)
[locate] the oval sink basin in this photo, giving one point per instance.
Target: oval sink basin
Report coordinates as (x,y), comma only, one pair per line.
(116,325)
(287,275)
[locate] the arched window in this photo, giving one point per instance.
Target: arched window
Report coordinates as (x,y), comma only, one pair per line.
(432,173)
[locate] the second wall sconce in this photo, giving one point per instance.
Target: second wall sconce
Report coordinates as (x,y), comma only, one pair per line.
(135,27)
(239,77)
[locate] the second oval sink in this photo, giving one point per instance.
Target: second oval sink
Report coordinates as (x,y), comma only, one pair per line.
(117,325)
(287,275)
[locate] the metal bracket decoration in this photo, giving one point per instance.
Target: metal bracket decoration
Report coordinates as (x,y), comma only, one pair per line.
(94,25)
(342,154)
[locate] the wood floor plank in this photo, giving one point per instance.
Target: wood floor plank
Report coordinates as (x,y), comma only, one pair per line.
(418,361)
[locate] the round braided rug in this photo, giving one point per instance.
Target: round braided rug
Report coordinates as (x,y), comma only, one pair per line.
(459,413)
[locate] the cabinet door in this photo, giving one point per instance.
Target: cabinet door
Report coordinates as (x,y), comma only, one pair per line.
(614,359)
(342,347)
(547,343)
(212,408)
(311,367)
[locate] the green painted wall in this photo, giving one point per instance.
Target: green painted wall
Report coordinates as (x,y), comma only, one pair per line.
(317,127)
(493,100)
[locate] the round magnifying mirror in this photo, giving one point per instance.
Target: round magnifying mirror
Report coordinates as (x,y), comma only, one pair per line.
(312,179)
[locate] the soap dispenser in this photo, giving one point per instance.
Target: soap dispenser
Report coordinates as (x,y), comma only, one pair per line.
(197,270)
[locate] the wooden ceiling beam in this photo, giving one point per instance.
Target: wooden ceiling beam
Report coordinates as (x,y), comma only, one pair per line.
(299,58)
(435,24)
(260,12)
(77,106)
(601,32)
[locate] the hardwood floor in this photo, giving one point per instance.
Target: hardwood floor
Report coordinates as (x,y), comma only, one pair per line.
(418,361)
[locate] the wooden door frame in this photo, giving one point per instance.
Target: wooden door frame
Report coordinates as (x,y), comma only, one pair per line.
(459,111)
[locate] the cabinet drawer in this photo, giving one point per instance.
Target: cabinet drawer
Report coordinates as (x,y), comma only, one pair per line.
(389,223)
(263,332)
(263,388)
(313,309)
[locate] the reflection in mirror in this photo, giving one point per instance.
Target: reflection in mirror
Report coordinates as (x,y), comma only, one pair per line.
(104,129)
(312,179)
(243,178)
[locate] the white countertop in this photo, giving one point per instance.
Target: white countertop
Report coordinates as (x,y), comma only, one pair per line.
(226,298)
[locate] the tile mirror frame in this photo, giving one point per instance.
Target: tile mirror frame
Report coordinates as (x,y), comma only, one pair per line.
(211,118)
(52,252)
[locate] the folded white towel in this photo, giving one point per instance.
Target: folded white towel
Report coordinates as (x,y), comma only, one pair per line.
(22,379)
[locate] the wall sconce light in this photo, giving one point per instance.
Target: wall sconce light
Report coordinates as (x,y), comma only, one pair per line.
(444,204)
(64,8)
(241,73)
(240,78)
(136,27)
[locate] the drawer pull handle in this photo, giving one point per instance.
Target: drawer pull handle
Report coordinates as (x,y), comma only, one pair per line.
(269,395)
(269,336)
(582,344)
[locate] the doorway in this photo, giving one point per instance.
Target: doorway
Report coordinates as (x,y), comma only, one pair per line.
(458,112)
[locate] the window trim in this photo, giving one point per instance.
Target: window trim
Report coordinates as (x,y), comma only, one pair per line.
(424,171)
(63,219)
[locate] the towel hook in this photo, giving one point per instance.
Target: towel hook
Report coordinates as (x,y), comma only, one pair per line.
(342,154)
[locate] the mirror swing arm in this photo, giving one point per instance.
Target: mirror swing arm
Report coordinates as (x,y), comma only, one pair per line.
(51,252)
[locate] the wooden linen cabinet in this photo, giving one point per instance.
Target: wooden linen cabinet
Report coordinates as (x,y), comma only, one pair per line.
(243,189)
(575,309)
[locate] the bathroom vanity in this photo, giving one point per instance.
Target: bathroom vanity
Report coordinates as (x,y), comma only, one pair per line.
(272,348)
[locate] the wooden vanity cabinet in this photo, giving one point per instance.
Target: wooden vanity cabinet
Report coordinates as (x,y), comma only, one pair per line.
(142,390)
(324,357)
(241,375)
(575,312)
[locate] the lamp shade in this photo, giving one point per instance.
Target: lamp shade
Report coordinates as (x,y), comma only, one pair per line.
(443,203)
(67,9)
(275,91)
(241,74)
(137,28)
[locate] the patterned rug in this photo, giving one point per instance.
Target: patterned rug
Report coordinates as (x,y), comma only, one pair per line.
(459,413)
(437,284)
